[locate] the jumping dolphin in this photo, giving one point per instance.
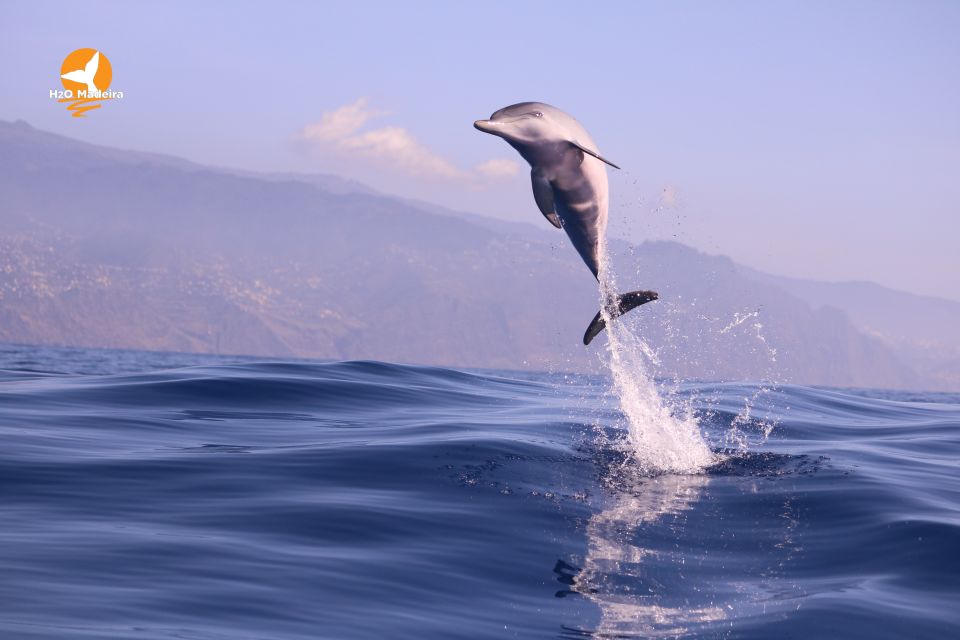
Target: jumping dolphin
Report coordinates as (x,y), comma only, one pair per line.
(569,185)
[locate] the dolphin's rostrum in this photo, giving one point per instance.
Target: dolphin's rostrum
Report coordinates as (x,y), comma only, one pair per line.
(569,185)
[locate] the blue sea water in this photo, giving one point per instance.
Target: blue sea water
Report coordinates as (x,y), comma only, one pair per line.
(149,495)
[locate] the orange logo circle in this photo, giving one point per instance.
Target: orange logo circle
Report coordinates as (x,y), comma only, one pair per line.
(86,70)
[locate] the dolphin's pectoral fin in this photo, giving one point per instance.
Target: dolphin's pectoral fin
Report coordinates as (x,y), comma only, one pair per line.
(543,194)
(625,303)
(593,153)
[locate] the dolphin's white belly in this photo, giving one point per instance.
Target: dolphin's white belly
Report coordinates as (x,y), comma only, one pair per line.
(581,197)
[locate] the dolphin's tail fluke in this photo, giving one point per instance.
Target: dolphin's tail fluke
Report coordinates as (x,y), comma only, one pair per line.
(624,302)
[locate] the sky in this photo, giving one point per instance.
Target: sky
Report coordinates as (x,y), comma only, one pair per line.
(810,139)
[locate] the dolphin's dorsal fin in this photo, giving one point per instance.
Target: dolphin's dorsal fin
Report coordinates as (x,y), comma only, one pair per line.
(593,153)
(543,194)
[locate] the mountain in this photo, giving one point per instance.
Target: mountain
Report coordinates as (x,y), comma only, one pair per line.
(923,331)
(110,248)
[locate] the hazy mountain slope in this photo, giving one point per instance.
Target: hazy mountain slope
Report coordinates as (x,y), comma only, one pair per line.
(713,323)
(923,330)
(122,249)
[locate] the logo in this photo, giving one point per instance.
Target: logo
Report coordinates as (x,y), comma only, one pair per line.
(86,75)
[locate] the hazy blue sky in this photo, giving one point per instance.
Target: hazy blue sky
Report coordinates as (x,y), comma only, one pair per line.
(817,139)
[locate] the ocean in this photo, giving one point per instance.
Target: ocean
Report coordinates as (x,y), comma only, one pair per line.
(150,496)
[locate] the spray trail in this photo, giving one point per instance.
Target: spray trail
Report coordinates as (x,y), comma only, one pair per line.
(661,441)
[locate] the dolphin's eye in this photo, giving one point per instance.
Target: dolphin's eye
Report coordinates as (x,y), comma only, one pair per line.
(538,114)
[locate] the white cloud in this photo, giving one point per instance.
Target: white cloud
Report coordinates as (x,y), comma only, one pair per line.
(393,147)
(498,168)
(397,147)
(339,124)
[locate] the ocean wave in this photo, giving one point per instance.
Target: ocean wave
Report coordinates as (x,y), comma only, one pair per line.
(178,496)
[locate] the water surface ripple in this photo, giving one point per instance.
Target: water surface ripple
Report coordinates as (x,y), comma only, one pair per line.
(192,497)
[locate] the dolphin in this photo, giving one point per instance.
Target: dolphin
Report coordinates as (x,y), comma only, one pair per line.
(569,186)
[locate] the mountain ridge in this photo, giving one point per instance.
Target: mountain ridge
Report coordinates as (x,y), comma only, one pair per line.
(104,247)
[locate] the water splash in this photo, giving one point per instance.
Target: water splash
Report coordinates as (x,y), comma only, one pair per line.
(746,429)
(661,439)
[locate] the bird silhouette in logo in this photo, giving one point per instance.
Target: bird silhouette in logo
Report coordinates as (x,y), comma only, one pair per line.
(87,74)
